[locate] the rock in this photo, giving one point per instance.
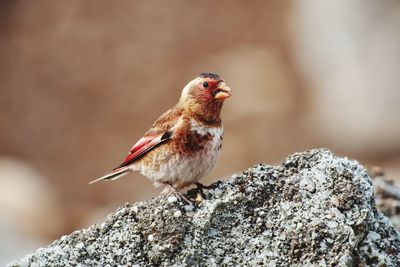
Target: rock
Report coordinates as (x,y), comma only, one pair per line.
(387,195)
(314,209)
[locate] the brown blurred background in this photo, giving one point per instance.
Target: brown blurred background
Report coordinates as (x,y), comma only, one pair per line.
(81,81)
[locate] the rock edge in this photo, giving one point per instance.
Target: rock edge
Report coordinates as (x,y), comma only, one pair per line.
(315,209)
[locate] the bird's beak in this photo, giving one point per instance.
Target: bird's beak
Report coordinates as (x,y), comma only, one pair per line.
(223,91)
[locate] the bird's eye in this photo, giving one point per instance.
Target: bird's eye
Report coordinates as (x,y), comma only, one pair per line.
(205,84)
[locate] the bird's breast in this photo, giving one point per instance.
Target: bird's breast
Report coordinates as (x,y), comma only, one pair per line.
(190,155)
(200,150)
(201,139)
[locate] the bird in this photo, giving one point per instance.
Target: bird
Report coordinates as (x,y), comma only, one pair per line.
(184,143)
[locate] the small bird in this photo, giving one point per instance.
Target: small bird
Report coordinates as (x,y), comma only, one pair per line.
(184,143)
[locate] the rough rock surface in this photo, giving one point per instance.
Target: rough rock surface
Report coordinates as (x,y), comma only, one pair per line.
(314,209)
(387,195)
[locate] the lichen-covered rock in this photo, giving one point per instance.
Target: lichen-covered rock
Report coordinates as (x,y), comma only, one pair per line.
(315,209)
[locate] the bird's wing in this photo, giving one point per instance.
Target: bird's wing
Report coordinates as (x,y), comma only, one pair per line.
(161,131)
(144,145)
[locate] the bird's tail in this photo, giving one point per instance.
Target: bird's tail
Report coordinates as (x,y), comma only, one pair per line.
(114,175)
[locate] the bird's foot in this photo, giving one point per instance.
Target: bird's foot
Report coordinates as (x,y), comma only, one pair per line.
(172,191)
(182,197)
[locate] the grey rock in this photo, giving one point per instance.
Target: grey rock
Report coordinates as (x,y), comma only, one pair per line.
(387,196)
(315,209)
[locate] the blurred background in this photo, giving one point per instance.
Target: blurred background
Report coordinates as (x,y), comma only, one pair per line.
(81,81)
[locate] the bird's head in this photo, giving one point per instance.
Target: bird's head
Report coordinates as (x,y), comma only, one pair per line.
(205,94)
(207,87)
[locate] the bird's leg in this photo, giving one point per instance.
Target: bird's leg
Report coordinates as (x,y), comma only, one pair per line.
(172,190)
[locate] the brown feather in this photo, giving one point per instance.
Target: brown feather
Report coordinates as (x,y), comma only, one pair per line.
(165,122)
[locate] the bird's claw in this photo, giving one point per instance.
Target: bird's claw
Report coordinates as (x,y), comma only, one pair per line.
(177,194)
(181,197)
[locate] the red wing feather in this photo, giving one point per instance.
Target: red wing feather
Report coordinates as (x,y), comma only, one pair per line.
(144,145)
